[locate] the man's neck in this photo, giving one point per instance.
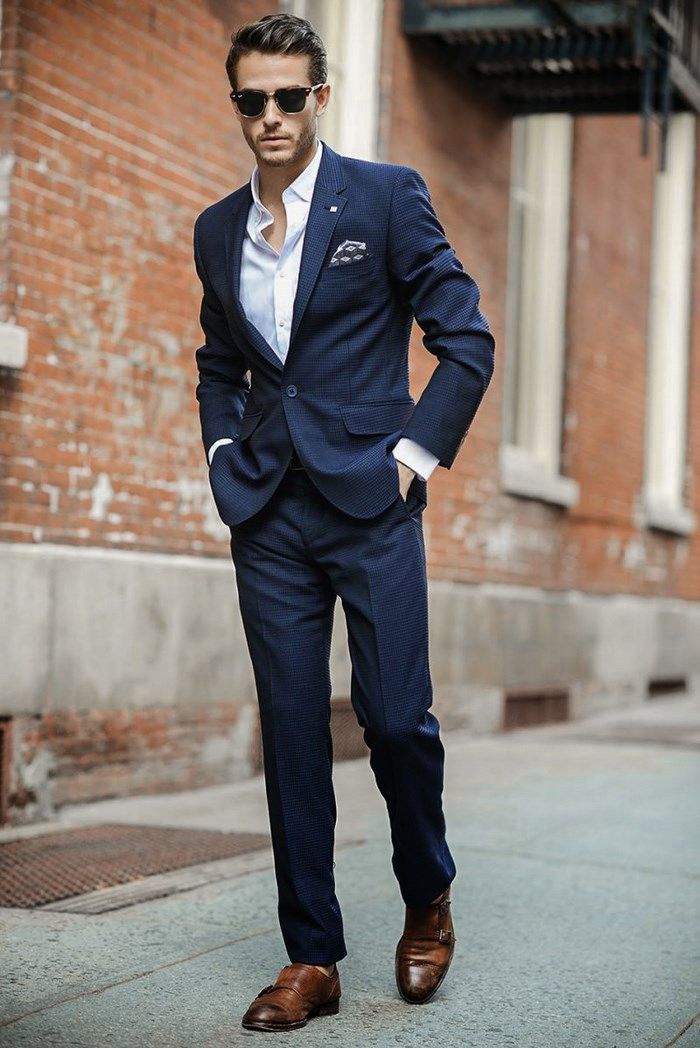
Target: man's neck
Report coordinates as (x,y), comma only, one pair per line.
(272,181)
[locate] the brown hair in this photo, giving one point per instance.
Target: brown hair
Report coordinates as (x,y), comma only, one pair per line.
(277,35)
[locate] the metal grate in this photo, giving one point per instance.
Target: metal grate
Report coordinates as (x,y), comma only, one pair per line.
(525,709)
(37,870)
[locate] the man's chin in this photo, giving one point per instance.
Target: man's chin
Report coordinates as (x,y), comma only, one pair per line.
(275,159)
(276,154)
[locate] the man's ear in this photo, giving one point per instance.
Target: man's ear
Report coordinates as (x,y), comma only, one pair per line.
(322,99)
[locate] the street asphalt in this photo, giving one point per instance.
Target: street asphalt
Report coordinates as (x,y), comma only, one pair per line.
(576,908)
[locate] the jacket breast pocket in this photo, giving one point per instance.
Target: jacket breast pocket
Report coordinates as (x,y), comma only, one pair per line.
(352,272)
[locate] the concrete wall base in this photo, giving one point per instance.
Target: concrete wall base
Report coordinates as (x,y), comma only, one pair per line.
(128,672)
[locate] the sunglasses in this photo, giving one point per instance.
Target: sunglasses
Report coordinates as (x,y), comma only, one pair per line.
(287,100)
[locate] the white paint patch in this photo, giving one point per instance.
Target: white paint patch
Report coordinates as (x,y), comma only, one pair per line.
(681,552)
(507,541)
(459,526)
(54,494)
(74,474)
(633,554)
(612,547)
(195,497)
(121,536)
(169,342)
(7,162)
(102,495)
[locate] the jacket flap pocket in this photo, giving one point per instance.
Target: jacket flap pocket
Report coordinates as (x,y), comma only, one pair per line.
(383,416)
(248,424)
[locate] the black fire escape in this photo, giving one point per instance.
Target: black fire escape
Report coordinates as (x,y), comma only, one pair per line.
(576,56)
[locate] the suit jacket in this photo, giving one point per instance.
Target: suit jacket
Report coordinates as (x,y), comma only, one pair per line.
(342,397)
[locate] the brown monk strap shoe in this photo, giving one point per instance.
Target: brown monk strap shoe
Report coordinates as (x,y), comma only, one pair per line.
(425,949)
(300,992)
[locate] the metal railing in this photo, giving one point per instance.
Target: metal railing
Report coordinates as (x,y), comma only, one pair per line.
(667,39)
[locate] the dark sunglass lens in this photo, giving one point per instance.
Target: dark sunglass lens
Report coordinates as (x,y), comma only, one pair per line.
(251,103)
(291,99)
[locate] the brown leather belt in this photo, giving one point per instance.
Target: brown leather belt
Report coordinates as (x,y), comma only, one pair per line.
(295,461)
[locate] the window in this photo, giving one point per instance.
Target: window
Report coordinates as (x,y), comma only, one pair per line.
(535,335)
(351,31)
(669,333)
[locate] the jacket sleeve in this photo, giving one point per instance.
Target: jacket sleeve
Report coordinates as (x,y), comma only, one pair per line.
(223,385)
(445,302)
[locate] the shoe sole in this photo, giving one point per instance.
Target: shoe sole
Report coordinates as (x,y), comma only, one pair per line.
(329,1008)
(436,987)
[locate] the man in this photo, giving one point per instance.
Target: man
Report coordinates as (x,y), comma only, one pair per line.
(312,274)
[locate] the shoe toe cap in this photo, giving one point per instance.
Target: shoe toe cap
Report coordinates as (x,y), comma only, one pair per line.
(265,1012)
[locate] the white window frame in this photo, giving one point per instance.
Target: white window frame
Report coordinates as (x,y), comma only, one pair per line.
(352,33)
(538,255)
(669,333)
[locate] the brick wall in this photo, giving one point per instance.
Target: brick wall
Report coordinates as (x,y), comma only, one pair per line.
(476,531)
(121,133)
(115,132)
(70,757)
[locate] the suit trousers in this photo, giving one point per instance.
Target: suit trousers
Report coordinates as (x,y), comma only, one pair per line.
(292,559)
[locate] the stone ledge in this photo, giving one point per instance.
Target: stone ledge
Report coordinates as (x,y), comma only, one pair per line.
(524,475)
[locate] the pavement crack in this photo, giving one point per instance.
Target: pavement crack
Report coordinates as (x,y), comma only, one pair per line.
(684,1029)
(138,975)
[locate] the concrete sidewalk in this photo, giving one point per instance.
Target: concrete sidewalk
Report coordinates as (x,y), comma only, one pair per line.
(576,909)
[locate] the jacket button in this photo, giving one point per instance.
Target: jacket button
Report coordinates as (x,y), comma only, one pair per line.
(291,391)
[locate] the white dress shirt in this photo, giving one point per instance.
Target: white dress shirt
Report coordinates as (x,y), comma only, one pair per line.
(269,283)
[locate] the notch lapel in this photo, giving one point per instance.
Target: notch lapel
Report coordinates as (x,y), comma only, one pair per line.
(235,232)
(326,208)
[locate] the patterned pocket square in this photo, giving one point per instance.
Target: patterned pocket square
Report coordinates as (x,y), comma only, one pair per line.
(349,251)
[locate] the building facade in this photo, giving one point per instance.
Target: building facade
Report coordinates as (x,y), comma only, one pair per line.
(563,548)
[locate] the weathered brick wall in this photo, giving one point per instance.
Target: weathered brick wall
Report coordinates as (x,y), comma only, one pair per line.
(9,76)
(115,131)
(70,757)
(122,133)
(477,532)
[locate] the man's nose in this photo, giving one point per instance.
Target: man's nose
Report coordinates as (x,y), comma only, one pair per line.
(271,113)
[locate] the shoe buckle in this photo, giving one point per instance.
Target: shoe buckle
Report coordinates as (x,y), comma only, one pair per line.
(444,935)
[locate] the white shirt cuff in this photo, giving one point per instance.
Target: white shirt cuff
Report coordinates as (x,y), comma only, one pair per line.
(212,449)
(416,457)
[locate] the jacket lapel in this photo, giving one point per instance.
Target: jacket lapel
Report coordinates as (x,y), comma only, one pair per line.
(234,234)
(325,210)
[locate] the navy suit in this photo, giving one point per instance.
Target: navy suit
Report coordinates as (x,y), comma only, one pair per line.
(340,528)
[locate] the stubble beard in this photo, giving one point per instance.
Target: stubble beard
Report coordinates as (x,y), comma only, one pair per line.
(303,146)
